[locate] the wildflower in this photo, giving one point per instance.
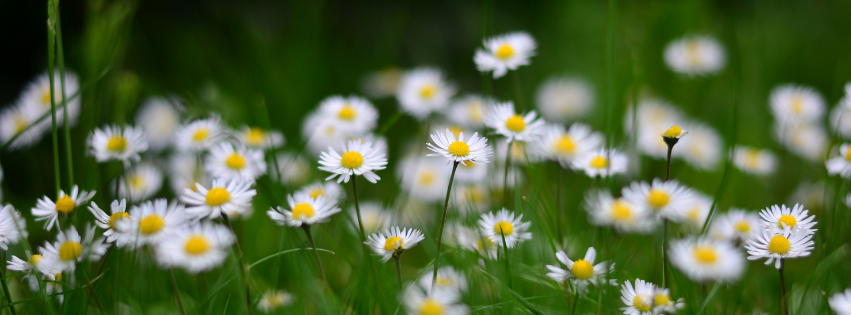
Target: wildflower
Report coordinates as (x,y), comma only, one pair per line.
(358,158)
(447,279)
(704,259)
(70,248)
(110,222)
(780,245)
(603,163)
(807,140)
(140,183)
(382,83)
(12,227)
(423,91)
(195,248)
(504,224)
(48,211)
(521,152)
(665,199)
(604,210)
(564,146)
(185,170)
(304,210)
(795,103)
(736,224)
(754,161)
(116,143)
(840,115)
(229,162)
(159,120)
(352,115)
(438,302)
(375,216)
(37,96)
(664,304)
(424,178)
(261,139)
(840,165)
(703,148)
(841,302)
(393,241)
(563,99)
(696,210)
(273,300)
(470,197)
(582,272)
(33,269)
(505,52)
(329,190)
(796,218)
(469,111)
(695,55)
(152,221)
(223,198)
(199,135)
(14,120)
(320,132)
(503,119)
(638,299)
(653,117)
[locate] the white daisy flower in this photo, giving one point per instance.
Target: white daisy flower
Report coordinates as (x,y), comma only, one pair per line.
(196,248)
(48,211)
(12,227)
(695,55)
(736,224)
(423,178)
(702,148)
(185,170)
(273,300)
(116,143)
(604,210)
(811,195)
(475,149)
(469,111)
(506,122)
(32,269)
(109,222)
(259,138)
(153,221)
(294,169)
(140,183)
(663,199)
(779,245)
(638,299)
(444,302)
(840,302)
(199,135)
(603,163)
(504,224)
(229,198)
(229,162)
(159,120)
(304,210)
(664,304)
(704,259)
(423,91)
(564,146)
(358,158)
(473,240)
(840,116)
(352,114)
(505,52)
(796,103)
(582,272)
(320,132)
(840,165)
(796,218)
(562,99)
(37,95)
(806,140)
(393,241)
(382,83)
(14,119)
(70,248)
(470,198)
(754,161)
(696,210)
(654,116)
(329,190)
(375,217)
(447,279)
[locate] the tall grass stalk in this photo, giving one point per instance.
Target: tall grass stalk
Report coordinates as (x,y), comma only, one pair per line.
(316,254)
(51,42)
(505,175)
(60,59)
(442,224)
(244,268)
(398,270)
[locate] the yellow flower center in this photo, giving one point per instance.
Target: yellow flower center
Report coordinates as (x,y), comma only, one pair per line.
(797,104)
(428,91)
(70,250)
(45,96)
(351,160)
(642,303)
(151,224)
(65,204)
(116,144)
(848,155)
(504,52)
(599,162)
(20,124)
(752,158)
(316,192)
(217,196)
(393,243)
(673,132)
(661,299)
(582,269)
(693,52)
(35,259)
(621,211)
(484,244)
(136,181)
(303,211)
(743,227)
(503,228)
(196,245)
(347,113)
(565,144)
(255,136)
(115,217)
(455,130)
(459,148)
(475,112)
(779,244)
(426,178)
(201,134)
(515,123)
(445,281)
(235,161)
(788,220)
(705,255)
(431,307)
(658,198)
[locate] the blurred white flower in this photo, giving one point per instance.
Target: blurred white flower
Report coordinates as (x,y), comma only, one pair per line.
(329,190)
(294,169)
(14,119)
(841,302)
(604,210)
(469,112)
(352,114)
(445,302)
(228,162)
(229,198)
(12,227)
(159,119)
(808,141)
(736,224)
(48,211)
(603,163)
(109,222)
(664,199)
(153,221)
(273,300)
(196,248)
(702,148)
(562,99)
(304,210)
(116,143)
(259,138)
(447,279)
(697,210)
(653,118)
(375,217)
(140,182)
(557,144)
(795,103)
(505,52)
(37,95)
(695,55)
(470,198)
(382,83)
(840,165)
(199,135)
(424,91)
(754,161)
(69,249)
(703,259)
(423,178)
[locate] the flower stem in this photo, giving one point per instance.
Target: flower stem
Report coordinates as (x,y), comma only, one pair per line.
(665,255)
(575,301)
(398,270)
(668,164)
(316,254)
(517,94)
(242,267)
(51,42)
(505,175)
(6,292)
(176,291)
(505,256)
(783,301)
(60,59)
(442,223)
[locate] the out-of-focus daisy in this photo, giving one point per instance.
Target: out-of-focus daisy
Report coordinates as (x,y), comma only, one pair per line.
(48,211)
(470,197)
(14,119)
(199,135)
(604,210)
(140,183)
(228,162)
(229,198)
(736,224)
(754,161)
(562,99)
(696,210)
(159,120)
(581,272)
(185,170)
(393,241)
(840,115)
(841,302)
(37,96)
(32,269)
(505,52)
(475,241)
(273,300)
(423,178)
(564,146)
(294,169)
(447,279)
(811,195)
(424,91)
(497,179)
(375,216)
(329,190)
(807,140)
(12,227)
(109,222)
(304,210)
(704,259)
(116,143)
(382,83)
(196,248)
(259,138)
(471,173)
(444,302)
(353,115)
(702,149)
(321,132)
(70,248)
(358,158)
(152,221)
(638,299)
(663,199)
(469,111)
(653,117)
(695,55)
(521,152)
(506,122)
(504,224)
(664,304)
(603,163)
(841,164)
(795,103)
(779,245)
(796,218)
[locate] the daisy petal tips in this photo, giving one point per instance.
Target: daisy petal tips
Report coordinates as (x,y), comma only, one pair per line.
(475,149)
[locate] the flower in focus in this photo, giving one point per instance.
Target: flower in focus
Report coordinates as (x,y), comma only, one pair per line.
(754,161)
(505,52)
(795,103)
(638,299)
(196,248)
(582,272)
(779,245)
(504,225)
(563,99)
(358,158)
(796,218)
(159,120)
(695,55)
(223,198)
(140,183)
(70,248)
(109,222)
(703,259)
(603,163)
(506,122)
(423,91)
(393,241)
(258,138)
(564,146)
(304,210)
(735,224)
(273,300)
(48,211)
(199,135)
(153,221)
(33,269)
(228,162)
(604,210)
(116,143)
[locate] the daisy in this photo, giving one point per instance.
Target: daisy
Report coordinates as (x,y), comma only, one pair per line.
(423,178)
(37,97)
(110,222)
(840,302)
(470,198)
(522,153)
(736,224)
(294,169)
(654,116)
(357,159)
(353,115)
(469,111)
(223,198)
(505,52)
(796,218)
(14,120)
(796,103)
(503,119)
(273,300)
(581,272)
(329,190)
(474,240)
(447,279)
(779,245)
(444,302)
(320,132)
(504,225)
(185,170)
(153,221)
(475,149)
(703,147)
(696,210)
(12,227)
(382,83)
(695,55)
(70,248)
(33,269)
(564,146)
(48,211)
(393,241)
(840,116)
(704,259)
(603,163)
(841,164)
(754,161)
(604,210)
(807,140)
(810,195)
(375,217)
(563,99)
(140,183)
(229,162)
(639,299)
(159,120)
(196,248)
(199,135)
(423,91)
(304,210)
(663,199)
(258,138)
(664,304)
(116,143)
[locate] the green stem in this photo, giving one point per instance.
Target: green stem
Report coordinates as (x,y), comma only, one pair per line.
(505,175)
(610,76)
(316,254)
(242,267)
(61,61)
(518,95)
(6,292)
(784,299)
(442,223)
(505,256)
(93,291)
(176,291)
(51,41)
(709,298)
(575,302)
(665,255)
(398,270)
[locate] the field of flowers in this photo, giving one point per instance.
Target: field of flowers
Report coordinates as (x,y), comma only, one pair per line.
(588,157)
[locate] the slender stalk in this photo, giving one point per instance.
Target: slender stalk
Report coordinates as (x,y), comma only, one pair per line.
(665,255)
(575,302)
(51,41)
(60,59)
(518,95)
(6,292)
(176,291)
(505,256)
(93,292)
(668,164)
(784,299)
(242,268)
(505,175)
(357,208)
(316,254)
(442,223)
(398,270)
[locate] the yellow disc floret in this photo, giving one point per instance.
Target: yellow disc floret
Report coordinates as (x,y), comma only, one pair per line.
(316,192)
(582,269)
(197,244)
(503,228)
(428,91)
(65,204)
(217,196)
(235,161)
(642,303)
(705,255)
(393,243)
(788,220)
(351,160)
(70,250)
(621,211)
(347,113)
(661,299)
(303,211)
(200,134)
(255,136)
(515,123)
(658,198)
(565,144)
(35,259)
(151,224)
(431,307)
(116,143)
(779,244)
(459,149)
(673,132)
(743,227)
(118,216)
(504,51)
(599,162)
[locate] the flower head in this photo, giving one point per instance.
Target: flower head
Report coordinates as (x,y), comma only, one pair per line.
(14,121)
(841,302)
(779,245)
(505,52)
(152,221)
(503,224)
(139,183)
(666,199)
(159,120)
(70,248)
(754,161)
(795,103)
(444,302)
(603,163)
(736,224)
(12,226)
(259,138)
(638,299)
(695,55)
(475,149)
(704,259)
(563,99)
(110,222)
(565,146)
(47,210)
(423,91)
(227,161)
(273,300)
(199,135)
(604,210)
(506,122)
(229,198)
(304,210)
(393,241)
(581,272)
(447,279)
(775,217)
(358,158)
(116,143)
(352,115)
(195,248)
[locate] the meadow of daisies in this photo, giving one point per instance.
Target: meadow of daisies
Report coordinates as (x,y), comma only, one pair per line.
(416,192)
